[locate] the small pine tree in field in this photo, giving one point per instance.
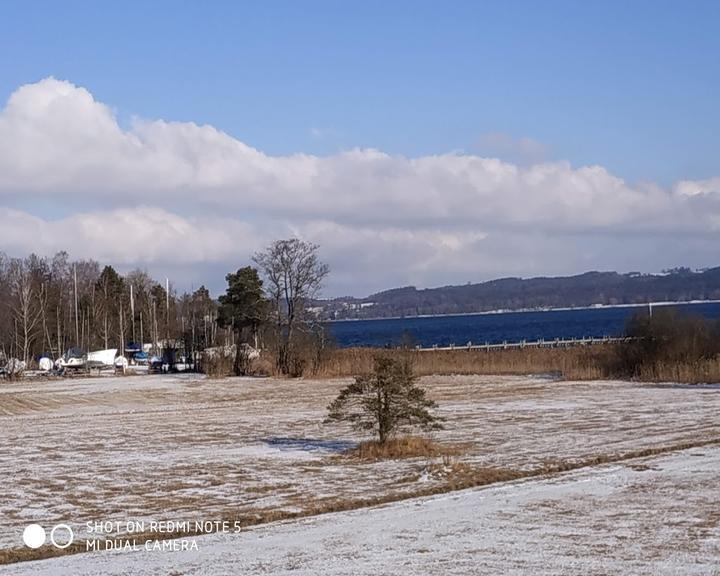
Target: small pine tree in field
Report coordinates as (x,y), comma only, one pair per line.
(385,401)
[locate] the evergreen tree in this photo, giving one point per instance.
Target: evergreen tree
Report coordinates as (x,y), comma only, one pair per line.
(243,308)
(385,401)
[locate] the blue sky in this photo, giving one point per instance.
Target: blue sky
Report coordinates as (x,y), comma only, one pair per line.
(632,86)
(182,136)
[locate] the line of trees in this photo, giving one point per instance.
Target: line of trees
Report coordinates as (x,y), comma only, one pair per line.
(270,303)
(48,305)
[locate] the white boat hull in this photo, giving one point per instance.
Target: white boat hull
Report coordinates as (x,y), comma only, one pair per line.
(70,363)
(101,358)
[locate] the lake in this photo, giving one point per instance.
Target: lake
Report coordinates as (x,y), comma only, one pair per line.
(500,327)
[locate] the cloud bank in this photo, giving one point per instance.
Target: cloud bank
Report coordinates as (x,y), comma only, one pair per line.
(180,195)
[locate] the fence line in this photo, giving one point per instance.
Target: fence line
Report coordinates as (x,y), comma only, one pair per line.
(556,343)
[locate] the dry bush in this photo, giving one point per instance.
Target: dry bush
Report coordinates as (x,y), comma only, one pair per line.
(262,366)
(311,349)
(666,347)
(404,447)
(222,366)
(217,365)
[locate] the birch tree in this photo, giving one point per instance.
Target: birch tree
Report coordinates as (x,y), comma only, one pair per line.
(25,306)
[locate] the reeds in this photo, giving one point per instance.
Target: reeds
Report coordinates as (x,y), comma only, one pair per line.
(579,362)
(594,362)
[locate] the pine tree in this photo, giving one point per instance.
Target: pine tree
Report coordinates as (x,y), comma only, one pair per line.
(385,401)
(243,308)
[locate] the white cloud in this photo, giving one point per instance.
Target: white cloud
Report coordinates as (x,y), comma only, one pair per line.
(691,188)
(142,235)
(381,219)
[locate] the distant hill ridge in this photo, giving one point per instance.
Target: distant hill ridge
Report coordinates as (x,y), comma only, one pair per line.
(588,289)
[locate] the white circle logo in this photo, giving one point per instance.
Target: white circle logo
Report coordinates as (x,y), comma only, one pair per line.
(34,536)
(71,536)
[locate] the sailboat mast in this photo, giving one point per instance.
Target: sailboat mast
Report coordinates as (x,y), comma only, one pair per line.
(132,313)
(122,330)
(77,328)
(167,310)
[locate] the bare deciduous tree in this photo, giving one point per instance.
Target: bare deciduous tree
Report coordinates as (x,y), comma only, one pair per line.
(44,310)
(293,275)
(26,306)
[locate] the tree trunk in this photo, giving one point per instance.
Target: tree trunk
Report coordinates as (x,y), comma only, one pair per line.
(238,365)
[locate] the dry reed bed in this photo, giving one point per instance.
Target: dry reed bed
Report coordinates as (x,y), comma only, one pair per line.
(576,363)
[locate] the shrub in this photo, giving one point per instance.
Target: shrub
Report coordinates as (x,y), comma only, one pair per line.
(664,339)
(217,365)
(385,401)
(405,447)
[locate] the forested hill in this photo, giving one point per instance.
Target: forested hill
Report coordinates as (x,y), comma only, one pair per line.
(591,288)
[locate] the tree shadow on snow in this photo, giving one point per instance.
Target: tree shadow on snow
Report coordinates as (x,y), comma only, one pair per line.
(309,444)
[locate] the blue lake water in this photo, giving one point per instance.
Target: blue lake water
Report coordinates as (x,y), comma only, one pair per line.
(498,328)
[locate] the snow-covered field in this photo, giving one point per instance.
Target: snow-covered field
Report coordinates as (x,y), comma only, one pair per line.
(654,516)
(186,448)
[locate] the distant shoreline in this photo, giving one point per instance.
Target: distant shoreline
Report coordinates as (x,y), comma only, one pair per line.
(526,310)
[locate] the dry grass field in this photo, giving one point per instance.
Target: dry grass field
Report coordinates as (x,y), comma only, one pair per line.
(186,447)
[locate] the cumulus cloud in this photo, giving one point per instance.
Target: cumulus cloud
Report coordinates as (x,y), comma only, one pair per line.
(159,192)
(689,188)
(142,235)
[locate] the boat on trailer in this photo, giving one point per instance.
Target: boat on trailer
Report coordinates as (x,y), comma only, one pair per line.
(74,359)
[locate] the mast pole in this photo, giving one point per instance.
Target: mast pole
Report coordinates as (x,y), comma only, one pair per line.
(167,310)
(77,328)
(132,313)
